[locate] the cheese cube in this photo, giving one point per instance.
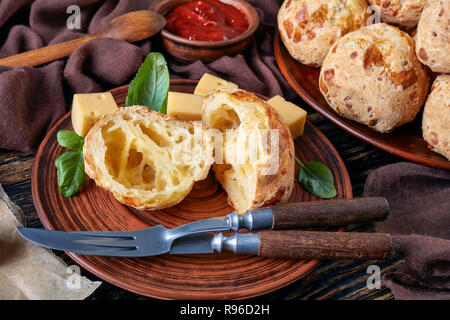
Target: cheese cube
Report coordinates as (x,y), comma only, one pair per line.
(210,83)
(292,115)
(185,106)
(87,108)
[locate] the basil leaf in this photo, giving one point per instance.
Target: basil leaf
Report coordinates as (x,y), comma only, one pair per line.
(70,172)
(150,86)
(70,140)
(163,108)
(317,179)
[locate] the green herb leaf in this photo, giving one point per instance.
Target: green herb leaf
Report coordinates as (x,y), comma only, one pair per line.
(150,86)
(70,172)
(70,140)
(163,108)
(317,179)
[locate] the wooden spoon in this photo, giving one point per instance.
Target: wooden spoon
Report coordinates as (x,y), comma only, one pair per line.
(133,26)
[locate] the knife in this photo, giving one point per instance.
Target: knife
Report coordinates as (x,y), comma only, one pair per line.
(290,244)
(158,239)
(274,244)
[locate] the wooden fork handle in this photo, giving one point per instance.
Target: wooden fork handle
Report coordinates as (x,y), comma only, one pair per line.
(324,245)
(329,213)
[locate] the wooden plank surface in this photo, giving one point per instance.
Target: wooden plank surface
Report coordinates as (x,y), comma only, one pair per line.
(334,279)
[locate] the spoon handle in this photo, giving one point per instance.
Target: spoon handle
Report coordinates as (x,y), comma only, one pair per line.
(46,54)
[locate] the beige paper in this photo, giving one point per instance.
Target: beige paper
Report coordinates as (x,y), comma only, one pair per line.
(28,271)
(14,209)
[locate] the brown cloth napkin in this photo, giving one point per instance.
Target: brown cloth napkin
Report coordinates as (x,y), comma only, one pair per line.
(33,99)
(419,221)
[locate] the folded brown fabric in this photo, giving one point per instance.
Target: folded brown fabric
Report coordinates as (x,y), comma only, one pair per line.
(100,61)
(419,221)
(32,99)
(12,8)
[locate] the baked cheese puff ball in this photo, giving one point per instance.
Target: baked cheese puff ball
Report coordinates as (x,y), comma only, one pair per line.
(373,76)
(309,28)
(436,116)
(433,36)
(404,13)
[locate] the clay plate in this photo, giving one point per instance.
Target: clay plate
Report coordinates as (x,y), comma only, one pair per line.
(405,142)
(215,276)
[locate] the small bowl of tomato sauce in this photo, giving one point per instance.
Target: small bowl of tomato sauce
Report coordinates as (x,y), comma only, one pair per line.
(206,29)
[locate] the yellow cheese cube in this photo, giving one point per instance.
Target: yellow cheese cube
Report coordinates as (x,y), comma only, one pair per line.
(210,83)
(87,108)
(185,106)
(291,114)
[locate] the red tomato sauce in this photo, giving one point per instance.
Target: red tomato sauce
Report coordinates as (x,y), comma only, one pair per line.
(206,20)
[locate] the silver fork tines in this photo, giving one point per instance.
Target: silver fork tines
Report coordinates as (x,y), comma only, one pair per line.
(113,242)
(138,243)
(88,243)
(105,243)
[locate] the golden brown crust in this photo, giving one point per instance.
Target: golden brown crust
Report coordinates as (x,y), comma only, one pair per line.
(433,36)
(277,188)
(308,28)
(436,117)
(261,186)
(137,153)
(403,13)
(373,76)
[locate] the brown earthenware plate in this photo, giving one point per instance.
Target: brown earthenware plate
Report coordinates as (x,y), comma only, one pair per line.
(405,141)
(214,276)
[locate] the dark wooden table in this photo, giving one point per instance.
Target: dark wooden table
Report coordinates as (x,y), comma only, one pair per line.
(334,279)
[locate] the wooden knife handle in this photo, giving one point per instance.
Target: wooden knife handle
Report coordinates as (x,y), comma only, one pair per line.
(329,213)
(324,245)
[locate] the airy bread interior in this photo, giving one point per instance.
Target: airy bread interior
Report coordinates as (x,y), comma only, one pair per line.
(146,159)
(241,125)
